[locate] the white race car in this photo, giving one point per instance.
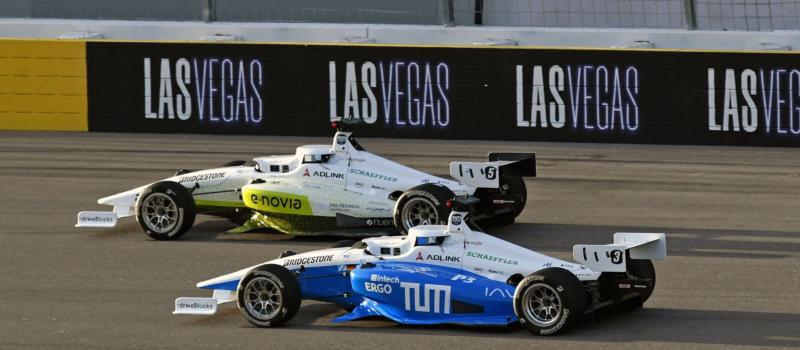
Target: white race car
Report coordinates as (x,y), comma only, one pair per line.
(321,188)
(441,274)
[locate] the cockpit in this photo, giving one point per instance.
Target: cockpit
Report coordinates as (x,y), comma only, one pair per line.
(399,245)
(303,155)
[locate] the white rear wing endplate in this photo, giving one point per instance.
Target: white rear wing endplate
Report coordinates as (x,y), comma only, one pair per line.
(478,174)
(611,257)
(488,174)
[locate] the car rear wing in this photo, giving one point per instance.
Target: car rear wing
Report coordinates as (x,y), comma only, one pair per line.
(612,257)
(488,174)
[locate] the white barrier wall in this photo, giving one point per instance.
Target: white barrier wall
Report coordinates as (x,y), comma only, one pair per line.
(400,34)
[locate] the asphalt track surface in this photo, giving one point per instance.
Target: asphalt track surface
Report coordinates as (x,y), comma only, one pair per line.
(732,216)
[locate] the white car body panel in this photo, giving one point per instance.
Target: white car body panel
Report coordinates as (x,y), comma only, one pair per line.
(352,182)
(463,248)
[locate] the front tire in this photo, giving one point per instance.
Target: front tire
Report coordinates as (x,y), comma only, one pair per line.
(549,301)
(268,296)
(165,210)
(422,205)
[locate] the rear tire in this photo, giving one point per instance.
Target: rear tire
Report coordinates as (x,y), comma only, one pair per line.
(643,269)
(268,296)
(549,301)
(513,185)
(422,205)
(165,210)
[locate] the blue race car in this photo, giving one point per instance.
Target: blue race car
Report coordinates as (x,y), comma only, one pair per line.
(443,274)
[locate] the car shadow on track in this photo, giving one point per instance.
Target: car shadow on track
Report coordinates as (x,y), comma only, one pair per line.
(559,238)
(663,325)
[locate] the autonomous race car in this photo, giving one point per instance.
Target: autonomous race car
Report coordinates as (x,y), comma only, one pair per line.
(321,188)
(443,274)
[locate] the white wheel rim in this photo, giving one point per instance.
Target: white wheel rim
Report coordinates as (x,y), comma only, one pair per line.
(419,211)
(160,213)
(262,298)
(542,305)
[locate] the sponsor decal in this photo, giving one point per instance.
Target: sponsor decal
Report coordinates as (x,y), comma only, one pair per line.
(276,202)
(624,286)
(427,271)
(463,278)
(498,292)
(384,279)
(344,206)
(219,90)
(308,260)
(372,175)
(491,258)
(201,177)
(380,222)
(323,174)
(593,98)
(475,243)
(378,210)
(435,297)
(547,264)
(442,258)
(429,181)
(195,306)
(455,219)
(98,219)
(328,175)
(378,288)
(396,93)
(558,326)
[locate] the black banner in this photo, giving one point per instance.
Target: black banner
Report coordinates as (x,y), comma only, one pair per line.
(671,97)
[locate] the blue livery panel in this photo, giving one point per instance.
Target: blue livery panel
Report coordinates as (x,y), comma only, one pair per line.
(414,293)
